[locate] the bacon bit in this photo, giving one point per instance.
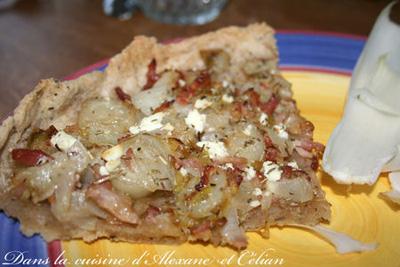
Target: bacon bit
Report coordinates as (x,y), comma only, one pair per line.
(237,92)
(201,228)
(188,92)
(118,205)
(49,132)
(271,154)
(128,158)
(107,185)
(304,153)
(152,212)
(220,222)
(202,231)
(96,171)
(151,75)
(192,163)
(180,77)
(183,96)
(181,74)
(314,163)
(306,147)
(270,106)
(128,155)
(268,141)
(175,162)
(123,138)
(203,80)
(235,177)
(255,101)
(164,106)
(307,127)
(287,171)
(240,110)
(239,179)
(265,86)
(29,157)
(71,129)
(304,144)
(52,131)
(237,162)
(237,111)
(240,242)
(205,178)
(319,148)
(302,174)
(122,95)
(178,147)
(18,190)
(254,97)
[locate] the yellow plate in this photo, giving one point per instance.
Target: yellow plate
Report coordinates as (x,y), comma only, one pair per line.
(357,211)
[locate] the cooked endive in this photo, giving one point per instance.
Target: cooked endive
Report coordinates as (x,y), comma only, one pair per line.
(366,141)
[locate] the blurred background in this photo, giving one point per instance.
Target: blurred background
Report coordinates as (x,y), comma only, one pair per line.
(53,38)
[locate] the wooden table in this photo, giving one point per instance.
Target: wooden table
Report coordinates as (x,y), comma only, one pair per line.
(53,38)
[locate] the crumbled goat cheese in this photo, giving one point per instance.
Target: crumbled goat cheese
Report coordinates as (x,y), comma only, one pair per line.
(227,98)
(271,171)
(227,166)
(293,164)
(280,129)
(202,103)
(254,203)
(196,120)
(63,141)
(149,123)
(250,173)
(103,171)
(183,171)
(247,130)
(181,82)
(215,149)
(225,84)
(257,191)
(263,119)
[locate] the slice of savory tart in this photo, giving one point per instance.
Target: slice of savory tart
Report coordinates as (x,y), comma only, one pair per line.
(198,140)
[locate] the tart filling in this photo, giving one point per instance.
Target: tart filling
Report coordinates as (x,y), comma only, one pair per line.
(194,155)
